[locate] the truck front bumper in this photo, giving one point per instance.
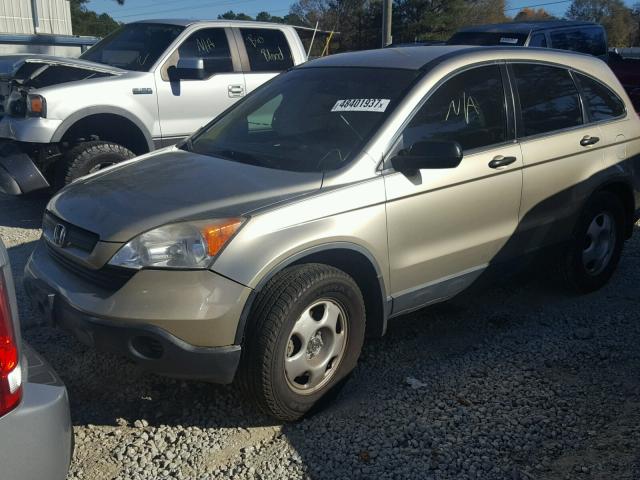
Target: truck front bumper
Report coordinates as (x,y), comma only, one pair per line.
(18,173)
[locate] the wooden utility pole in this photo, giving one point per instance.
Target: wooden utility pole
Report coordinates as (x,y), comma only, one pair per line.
(387,15)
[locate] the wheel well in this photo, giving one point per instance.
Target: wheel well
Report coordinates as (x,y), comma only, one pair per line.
(108,127)
(360,268)
(624,193)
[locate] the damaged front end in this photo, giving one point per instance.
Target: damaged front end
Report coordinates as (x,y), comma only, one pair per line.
(19,74)
(25,165)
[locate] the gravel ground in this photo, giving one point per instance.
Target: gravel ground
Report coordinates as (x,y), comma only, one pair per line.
(515,381)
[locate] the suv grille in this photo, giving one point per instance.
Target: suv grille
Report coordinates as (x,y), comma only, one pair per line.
(108,277)
(75,236)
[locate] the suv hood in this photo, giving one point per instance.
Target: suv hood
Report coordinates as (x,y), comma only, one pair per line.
(27,67)
(128,199)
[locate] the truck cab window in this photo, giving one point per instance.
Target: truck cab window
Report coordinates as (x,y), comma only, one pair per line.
(268,49)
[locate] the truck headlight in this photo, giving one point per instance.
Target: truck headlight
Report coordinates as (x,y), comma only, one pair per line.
(180,245)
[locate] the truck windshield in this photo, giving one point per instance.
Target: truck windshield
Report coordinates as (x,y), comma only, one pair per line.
(488,38)
(136,46)
(310,119)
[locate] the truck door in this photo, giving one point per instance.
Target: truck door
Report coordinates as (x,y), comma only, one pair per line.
(265,52)
(187,104)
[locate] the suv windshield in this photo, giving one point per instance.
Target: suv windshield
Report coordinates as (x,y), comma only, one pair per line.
(136,46)
(488,38)
(310,119)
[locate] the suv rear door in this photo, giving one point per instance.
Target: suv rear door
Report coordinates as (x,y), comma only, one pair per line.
(187,104)
(561,151)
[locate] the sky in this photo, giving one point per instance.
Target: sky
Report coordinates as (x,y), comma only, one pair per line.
(141,9)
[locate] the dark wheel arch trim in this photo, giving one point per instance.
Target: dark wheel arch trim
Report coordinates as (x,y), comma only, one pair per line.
(309,253)
(74,118)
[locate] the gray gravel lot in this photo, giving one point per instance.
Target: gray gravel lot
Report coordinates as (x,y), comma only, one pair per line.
(514,381)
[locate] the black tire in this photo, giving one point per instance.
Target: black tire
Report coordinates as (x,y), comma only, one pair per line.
(279,305)
(576,274)
(86,156)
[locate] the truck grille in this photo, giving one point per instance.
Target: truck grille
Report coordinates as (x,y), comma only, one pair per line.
(108,277)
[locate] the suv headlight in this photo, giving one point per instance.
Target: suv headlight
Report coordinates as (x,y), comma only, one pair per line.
(180,245)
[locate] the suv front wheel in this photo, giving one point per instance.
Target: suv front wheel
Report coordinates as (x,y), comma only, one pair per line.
(304,335)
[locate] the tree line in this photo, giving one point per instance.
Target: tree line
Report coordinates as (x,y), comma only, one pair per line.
(359,21)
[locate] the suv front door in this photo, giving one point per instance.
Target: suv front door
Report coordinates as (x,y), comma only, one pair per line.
(187,104)
(446,225)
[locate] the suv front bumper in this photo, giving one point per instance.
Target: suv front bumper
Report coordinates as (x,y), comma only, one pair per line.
(175,323)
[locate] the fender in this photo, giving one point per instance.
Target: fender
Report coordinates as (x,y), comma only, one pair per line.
(102,109)
(386,310)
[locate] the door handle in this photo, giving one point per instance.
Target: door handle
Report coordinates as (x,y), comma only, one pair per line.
(236,91)
(500,161)
(588,140)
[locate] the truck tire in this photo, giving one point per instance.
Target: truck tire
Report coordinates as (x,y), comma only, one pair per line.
(86,158)
(304,336)
(595,248)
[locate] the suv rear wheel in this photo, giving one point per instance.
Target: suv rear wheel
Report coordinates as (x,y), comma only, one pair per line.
(304,335)
(595,249)
(89,157)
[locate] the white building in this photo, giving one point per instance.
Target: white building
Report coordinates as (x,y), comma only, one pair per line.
(35,16)
(39,26)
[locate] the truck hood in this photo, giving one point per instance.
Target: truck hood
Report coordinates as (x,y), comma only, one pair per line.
(28,67)
(170,186)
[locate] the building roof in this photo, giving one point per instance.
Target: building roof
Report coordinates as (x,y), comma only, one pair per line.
(524,27)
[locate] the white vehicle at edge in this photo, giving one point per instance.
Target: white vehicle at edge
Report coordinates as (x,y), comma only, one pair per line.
(147,85)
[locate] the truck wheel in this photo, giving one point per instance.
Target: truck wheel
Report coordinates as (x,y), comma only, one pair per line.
(595,249)
(89,157)
(304,336)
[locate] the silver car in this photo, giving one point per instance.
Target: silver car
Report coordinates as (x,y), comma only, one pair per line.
(36,437)
(342,194)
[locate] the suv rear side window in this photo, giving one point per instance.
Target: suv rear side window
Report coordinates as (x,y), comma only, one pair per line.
(548,98)
(468,108)
(589,40)
(600,102)
(268,49)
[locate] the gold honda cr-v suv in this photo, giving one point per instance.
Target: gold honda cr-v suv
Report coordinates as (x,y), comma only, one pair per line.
(343,193)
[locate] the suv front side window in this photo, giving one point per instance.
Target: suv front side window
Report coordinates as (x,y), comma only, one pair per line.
(268,49)
(588,40)
(549,99)
(468,108)
(600,102)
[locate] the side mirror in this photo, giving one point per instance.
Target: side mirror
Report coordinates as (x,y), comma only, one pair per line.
(432,154)
(190,69)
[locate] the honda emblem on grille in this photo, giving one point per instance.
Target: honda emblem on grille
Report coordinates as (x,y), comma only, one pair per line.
(60,235)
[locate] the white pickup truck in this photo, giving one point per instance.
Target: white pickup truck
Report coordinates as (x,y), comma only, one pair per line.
(147,85)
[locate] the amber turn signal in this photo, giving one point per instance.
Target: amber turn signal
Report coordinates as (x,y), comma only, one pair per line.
(37,106)
(218,234)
